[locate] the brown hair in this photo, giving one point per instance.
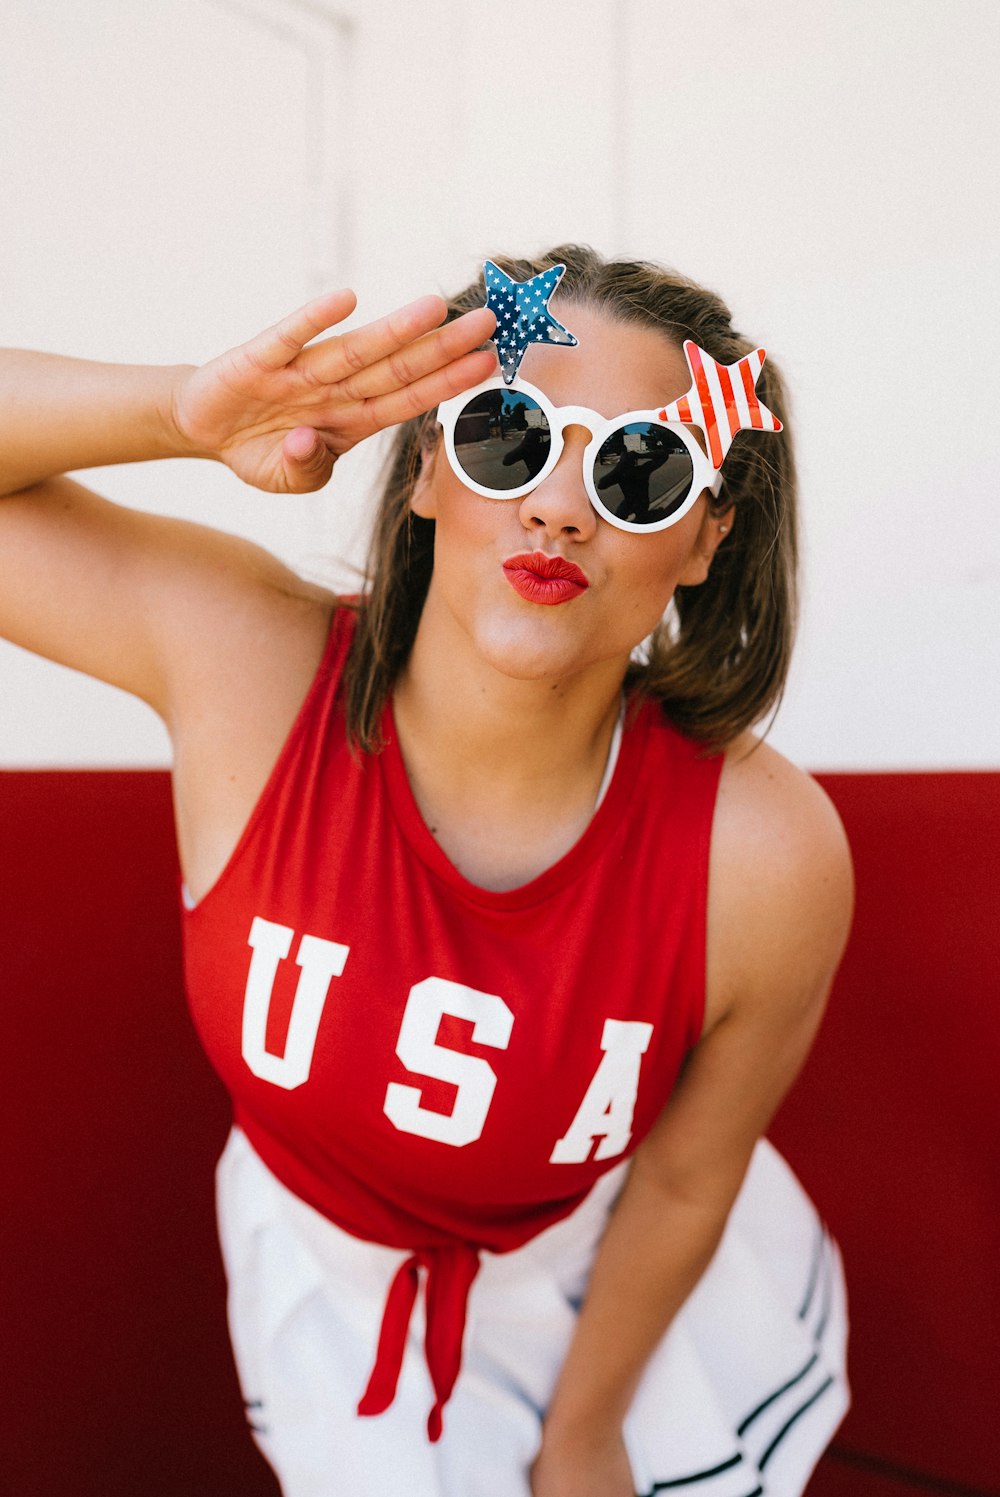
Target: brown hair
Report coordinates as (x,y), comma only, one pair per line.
(718,660)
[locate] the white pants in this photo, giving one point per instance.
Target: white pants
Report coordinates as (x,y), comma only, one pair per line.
(739,1400)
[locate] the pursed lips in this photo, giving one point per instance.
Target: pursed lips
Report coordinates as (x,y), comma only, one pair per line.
(540,578)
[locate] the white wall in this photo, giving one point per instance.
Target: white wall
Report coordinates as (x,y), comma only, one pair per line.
(175,176)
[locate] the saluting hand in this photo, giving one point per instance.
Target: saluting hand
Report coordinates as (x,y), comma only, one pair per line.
(280,413)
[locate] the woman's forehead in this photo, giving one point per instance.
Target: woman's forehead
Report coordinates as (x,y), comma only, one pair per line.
(617,366)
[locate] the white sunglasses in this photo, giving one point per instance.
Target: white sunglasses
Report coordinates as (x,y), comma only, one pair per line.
(641,474)
(642,471)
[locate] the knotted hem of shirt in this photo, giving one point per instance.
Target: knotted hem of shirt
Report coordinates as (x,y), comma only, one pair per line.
(450,1271)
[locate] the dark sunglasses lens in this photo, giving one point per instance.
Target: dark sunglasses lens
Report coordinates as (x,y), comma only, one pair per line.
(502,439)
(643,472)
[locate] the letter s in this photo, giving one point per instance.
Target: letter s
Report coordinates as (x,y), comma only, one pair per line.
(419,1051)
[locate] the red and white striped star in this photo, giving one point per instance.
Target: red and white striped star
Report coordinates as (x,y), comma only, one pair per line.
(722,400)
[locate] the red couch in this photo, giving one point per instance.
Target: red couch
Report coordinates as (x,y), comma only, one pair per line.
(117,1377)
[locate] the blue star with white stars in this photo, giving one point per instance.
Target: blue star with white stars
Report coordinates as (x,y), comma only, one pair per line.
(522,312)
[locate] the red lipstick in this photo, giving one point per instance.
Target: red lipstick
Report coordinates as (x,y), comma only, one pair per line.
(539,578)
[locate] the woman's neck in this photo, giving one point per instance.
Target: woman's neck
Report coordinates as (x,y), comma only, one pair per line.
(506,772)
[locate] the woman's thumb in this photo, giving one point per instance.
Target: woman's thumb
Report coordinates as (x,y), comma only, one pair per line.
(308,460)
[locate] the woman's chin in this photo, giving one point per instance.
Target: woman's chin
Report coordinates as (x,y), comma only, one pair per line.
(528,650)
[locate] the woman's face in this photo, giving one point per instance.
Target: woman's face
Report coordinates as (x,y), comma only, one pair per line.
(617,367)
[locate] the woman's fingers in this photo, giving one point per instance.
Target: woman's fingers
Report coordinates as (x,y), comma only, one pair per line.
(367,362)
(278,345)
(337,358)
(434,351)
(413,399)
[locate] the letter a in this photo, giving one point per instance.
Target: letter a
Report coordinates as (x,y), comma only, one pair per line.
(607,1108)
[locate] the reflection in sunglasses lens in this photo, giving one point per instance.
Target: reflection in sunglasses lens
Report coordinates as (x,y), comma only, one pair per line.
(502,439)
(643,472)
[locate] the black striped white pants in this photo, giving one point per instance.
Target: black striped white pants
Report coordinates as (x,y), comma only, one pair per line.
(739,1400)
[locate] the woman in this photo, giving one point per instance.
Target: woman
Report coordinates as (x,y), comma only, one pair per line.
(497,914)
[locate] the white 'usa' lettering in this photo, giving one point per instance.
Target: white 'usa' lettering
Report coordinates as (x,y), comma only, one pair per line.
(609,1103)
(417,1047)
(319,961)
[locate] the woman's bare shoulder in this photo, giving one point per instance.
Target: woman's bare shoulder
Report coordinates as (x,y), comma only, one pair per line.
(770,808)
(240,669)
(781,882)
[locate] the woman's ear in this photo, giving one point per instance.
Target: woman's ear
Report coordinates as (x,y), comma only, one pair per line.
(711,533)
(422,500)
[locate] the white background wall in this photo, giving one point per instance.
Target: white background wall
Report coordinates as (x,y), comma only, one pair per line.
(174,176)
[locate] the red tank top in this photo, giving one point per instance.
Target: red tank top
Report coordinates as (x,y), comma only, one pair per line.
(432,1065)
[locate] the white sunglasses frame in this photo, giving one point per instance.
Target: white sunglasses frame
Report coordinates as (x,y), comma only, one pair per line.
(703,474)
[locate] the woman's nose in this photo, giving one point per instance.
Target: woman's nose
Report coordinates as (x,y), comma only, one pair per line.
(559,505)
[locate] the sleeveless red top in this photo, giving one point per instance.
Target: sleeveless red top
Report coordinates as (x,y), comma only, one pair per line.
(432,1065)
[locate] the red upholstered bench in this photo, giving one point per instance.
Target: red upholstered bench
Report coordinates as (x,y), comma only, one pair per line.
(117,1378)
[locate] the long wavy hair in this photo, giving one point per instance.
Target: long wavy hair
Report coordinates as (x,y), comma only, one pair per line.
(718,660)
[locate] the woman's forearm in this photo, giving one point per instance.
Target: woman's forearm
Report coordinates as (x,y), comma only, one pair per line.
(59,414)
(654,1251)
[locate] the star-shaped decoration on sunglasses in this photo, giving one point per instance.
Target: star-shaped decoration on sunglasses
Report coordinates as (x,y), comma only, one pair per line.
(722,399)
(522,312)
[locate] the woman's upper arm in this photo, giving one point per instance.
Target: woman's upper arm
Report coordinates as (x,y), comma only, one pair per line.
(134,599)
(780,904)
